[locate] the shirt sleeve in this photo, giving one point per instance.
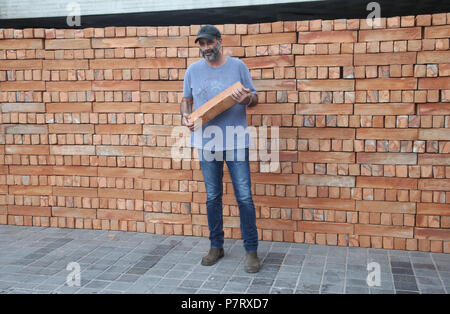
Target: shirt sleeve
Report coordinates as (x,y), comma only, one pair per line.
(187,88)
(246,78)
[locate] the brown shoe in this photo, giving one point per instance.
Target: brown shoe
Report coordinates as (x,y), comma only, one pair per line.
(252,263)
(212,257)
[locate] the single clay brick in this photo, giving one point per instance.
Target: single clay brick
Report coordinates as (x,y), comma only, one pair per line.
(215,106)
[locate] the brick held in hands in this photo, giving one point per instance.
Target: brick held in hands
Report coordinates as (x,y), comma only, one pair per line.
(214,106)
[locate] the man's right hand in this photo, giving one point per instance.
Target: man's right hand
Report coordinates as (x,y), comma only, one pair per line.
(186,122)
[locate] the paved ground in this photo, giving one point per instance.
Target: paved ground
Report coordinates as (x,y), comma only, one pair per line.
(35,260)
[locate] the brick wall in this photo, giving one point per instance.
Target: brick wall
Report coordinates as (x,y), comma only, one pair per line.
(364,117)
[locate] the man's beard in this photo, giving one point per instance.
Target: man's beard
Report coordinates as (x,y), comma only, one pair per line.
(215,53)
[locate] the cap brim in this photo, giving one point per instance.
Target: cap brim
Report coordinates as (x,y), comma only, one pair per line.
(207,36)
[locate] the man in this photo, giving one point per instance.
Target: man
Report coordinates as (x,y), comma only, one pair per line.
(204,80)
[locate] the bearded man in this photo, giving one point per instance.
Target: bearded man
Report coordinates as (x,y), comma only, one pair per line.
(204,80)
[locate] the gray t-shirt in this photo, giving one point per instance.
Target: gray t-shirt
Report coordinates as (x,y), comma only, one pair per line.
(202,83)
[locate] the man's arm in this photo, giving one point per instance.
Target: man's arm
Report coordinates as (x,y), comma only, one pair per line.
(245,96)
(186,110)
(254,100)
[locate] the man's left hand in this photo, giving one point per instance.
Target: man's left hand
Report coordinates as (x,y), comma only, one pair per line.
(242,95)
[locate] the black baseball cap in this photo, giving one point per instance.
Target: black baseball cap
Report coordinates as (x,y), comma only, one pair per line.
(209,32)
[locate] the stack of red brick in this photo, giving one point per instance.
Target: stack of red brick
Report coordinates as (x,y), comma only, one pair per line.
(364,116)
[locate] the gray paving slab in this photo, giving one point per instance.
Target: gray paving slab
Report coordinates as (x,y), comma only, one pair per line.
(36,260)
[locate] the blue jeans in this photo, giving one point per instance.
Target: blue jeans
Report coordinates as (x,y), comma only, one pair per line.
(240,176)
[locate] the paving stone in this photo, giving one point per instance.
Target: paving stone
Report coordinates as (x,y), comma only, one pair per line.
(116,262)
(357,290)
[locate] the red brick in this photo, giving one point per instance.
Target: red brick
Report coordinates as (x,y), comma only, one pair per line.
(116,107)
(386,84)
(270,178)
(65,64)
(161,85)
(165,130)
(116,214)
(324,60)
(29,210)
(427,57)
(434,134)
(326,133)
(278,108)
(324,109)
(71,128)
(53,170)
(30,190)
(276,224)
(274,201)
(434,184)
(75,191)
(326,85)
(432,234)
(433,209)
(386,207)
(268,62)
(274,85)
(159,152)
(287,156)
(120,172)
(444,69)
(386,183)
(14,44)
(227,41)
(74,212)
(24,129)
(20,64)
(74,170)
(67,44)
(115,85)
(327,37)
(387,158)
(385,58)
(164,196)
(138,63)
(437,31)
(434,109)
(27,149)
(327,180)
(434,159)
(215,106)
(269,39)
(390,34)
(168,218)
(121,193)
(168,174)
(385,109)
(327,157)
(69,106)
(68,86)
(118,129)
(160,108)
(384,231)
(22,86)
(442,82)
(326,203)
(145,42)
(325,227)
(72,150)
(423,20)
(387,134)
(115,150)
